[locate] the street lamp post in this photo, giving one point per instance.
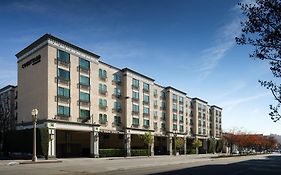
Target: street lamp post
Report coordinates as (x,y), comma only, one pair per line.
(34,114)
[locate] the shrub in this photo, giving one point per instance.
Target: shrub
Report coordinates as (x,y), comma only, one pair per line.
(111,152)
(139,152)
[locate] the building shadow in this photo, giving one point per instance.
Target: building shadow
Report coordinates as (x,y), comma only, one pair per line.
(269,166)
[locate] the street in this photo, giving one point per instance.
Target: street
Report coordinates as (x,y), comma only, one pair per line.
(162,165)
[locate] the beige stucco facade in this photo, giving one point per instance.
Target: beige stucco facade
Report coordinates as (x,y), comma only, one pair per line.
(163,111)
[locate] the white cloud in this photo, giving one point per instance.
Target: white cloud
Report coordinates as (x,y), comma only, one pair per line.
(232,104)
(225,40)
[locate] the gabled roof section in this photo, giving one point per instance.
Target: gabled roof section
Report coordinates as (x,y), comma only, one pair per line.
(137,73)
(49,36)
(7,87)
(214,106)
(199,100)
(170,87)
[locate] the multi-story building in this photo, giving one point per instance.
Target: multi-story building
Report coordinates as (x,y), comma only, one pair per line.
(88,104)
(8,110)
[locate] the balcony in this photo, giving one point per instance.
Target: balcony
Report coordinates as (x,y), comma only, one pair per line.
(146,126)
(84,70)
(134,99)
(135,86)
(155,105)
(84,120)
(116,82)
(145,90)
(83,86)
(181,111)
(102,107)
(135,112)
(119,96)
(62,99)
(62,117)
(146,114)
(155,94)
(175,119)
(135,125)
(119,110)
(103,122)
(62,63)
(155,116)
(145,102)
(163,108)
(84,103)
(175,110)
(63,81)
(103,91)
(103,77)
(175,99)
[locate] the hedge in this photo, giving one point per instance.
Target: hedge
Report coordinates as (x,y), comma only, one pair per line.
(21,141)
(111,152)
(139,152)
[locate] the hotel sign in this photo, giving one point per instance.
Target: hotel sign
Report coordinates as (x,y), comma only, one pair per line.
(33,61)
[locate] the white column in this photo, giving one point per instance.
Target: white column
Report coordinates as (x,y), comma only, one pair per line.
(52,143)
(170,145)
(152,147)
(94,144)
(184,146)
(127,139)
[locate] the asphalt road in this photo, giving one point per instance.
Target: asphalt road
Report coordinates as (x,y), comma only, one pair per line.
(162,165)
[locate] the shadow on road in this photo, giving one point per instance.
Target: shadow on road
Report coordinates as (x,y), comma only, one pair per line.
(269,166)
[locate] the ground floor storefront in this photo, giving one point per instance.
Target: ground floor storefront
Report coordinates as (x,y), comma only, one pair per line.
(88,140)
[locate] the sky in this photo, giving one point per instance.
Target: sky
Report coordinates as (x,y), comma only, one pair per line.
(185,44)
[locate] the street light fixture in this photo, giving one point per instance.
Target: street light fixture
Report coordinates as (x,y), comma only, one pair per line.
(34,114)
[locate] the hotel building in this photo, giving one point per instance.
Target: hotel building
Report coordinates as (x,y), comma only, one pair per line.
(87,104)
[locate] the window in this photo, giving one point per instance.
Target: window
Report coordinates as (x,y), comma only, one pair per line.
(84,114)
(117,120)
(84,64)
(181,108)
(102,118)
(85,97)
(155,125)
(64,111)
(102,74)
(175,97)
(63,56)
(135,121)
(163,126)
(146,110)
(181,118)
(63,92)
(135,83)
(163,115)
(175,107)
(146,98)
(102,88)
(102,103)
(135,108)
(145,86)
(84,80)
(117,92)
(135,95)
(191,122)
(155,103)
(181,128)
(155,92)
(175,117)
(63,74)
(117,105)
(163,95)
(145,122)
(117,78)
(181,99)
(175,126)
(163,105)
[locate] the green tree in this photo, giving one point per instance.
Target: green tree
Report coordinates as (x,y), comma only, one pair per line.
(179,143)
(262,29)
(212,145)
(197,144)
(148,140)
